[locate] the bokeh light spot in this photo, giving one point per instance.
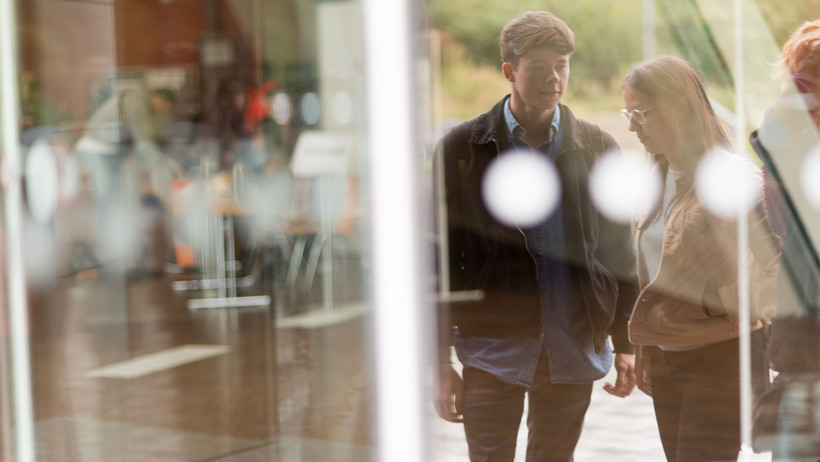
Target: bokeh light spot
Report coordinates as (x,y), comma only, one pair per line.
(310,108)
(42,179)
(624,185)
(727,183)
(521,188)
(282,108)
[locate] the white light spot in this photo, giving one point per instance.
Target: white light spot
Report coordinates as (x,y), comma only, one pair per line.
(810,177)
(622,186)
(342,108)
(282,108)
(309,108)
(521,188)
(727,184)
(42,190)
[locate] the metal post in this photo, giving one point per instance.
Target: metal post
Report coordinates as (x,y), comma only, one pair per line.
(15,270)
(395,155)
(746,451)
(745,336)
(649,16)
(326,247)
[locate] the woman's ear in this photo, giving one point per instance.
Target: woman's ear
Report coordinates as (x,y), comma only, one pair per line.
(507,69)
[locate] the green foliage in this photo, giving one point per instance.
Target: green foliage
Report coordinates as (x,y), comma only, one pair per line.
(784,16)
(608,41)
(607,32)
(693,38)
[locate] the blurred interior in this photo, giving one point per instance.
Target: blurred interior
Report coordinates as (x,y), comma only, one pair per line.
(226,256)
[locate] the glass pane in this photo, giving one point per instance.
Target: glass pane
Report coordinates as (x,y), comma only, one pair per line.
(195,227)
(508,223)
(194,230)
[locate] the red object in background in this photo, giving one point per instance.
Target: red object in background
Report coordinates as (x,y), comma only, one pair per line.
(258,106)
(184,251)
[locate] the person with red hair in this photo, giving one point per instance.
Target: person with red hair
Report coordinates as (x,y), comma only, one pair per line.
(790,133)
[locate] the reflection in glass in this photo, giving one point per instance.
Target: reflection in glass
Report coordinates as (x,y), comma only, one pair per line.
(282,108)
(309,108)
(161,202)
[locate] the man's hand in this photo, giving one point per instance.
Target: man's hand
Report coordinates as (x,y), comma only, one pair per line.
(625,365)
(450,392)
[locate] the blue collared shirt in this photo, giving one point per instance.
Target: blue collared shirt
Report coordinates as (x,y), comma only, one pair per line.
(566,334)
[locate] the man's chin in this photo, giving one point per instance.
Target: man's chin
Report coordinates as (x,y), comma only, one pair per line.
(552,99)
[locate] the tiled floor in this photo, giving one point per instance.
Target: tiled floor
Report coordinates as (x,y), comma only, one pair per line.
(615,430)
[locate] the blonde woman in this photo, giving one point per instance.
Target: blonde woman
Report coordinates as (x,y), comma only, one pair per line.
(685,319)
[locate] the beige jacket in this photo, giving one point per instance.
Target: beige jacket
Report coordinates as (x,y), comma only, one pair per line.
(694,298)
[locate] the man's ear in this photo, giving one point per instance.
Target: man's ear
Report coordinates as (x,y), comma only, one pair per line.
(507,69)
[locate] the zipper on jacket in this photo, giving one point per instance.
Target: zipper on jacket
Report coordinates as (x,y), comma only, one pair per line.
(526,242)
(534,261)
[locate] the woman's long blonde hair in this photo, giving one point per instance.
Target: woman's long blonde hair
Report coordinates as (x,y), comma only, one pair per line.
(674,81)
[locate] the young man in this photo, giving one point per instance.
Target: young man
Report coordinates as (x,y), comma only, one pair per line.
(551,293)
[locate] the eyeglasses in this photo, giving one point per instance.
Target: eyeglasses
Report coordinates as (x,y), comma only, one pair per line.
(638,115)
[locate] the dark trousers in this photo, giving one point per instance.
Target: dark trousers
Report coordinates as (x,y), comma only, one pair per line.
(696,395)
(492,412)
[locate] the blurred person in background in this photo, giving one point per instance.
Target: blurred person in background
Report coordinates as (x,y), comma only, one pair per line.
(789,135)
(685,321)
(121,150)
(551,293)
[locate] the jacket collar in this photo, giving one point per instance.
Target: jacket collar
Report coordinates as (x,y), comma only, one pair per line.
(491,127)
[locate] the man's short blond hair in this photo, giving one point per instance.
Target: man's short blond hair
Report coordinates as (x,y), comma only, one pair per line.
(535,29)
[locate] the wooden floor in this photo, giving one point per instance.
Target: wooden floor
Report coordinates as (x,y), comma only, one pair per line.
(297,392)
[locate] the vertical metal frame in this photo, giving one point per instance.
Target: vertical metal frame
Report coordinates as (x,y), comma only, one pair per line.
(745,345)
(395,157)
(12,202)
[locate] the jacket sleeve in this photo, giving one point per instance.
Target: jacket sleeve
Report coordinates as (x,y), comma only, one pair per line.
(721,293)
(446,186)
(616,252)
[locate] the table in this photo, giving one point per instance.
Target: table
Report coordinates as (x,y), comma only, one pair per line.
(216,257)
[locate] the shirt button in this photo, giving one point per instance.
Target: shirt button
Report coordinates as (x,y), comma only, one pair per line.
(539,254)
